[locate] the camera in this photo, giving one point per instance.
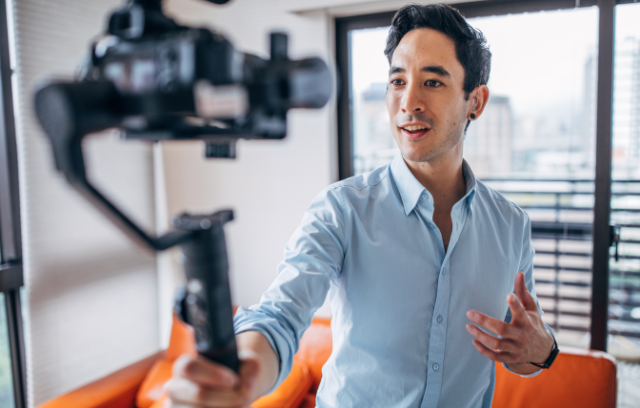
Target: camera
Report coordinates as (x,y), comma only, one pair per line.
(157,80)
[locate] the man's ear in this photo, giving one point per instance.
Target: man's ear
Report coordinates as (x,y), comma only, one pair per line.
(479,98)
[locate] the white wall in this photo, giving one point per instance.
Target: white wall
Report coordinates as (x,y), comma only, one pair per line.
(271,183)
(91,296)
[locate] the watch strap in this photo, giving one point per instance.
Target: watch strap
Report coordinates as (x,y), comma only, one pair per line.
(551,358)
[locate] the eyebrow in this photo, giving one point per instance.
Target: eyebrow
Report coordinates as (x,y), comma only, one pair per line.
(436,69)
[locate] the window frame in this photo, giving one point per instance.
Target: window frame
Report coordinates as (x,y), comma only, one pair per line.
(604,112)
(11,273)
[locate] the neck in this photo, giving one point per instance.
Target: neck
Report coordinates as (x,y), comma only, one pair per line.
(442,177)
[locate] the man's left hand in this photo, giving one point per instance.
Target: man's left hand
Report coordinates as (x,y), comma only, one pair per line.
(522,341)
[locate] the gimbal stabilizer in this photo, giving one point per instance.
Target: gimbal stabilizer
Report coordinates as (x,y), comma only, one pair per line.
(157,80)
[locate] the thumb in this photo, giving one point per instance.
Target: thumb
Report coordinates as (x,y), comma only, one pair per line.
(523,293)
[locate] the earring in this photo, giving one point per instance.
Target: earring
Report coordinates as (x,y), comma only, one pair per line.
(473,116)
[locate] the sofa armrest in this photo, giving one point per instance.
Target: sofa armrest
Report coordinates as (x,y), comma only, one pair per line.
(578,378)
(117,390)
(291,392)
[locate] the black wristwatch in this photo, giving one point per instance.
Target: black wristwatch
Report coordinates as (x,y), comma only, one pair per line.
(552,356)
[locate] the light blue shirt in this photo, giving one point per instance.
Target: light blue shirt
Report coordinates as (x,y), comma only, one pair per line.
(399,301)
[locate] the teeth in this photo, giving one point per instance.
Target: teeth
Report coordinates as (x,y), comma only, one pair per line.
(413,128)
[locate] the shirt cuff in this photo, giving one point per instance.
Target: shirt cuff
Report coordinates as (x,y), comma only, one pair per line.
(522,375)
(540,370)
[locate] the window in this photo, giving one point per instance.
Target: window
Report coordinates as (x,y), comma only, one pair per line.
(6,381)
(538,142)
(624,309)
(531,130)
(12,378)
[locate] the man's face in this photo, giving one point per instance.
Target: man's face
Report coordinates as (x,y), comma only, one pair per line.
(426,101)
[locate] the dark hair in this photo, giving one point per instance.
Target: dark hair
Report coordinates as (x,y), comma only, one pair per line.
(471,46)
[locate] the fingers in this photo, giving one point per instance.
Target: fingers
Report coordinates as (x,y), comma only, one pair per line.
(520,287)
(517,310)
(204,372)
(500,356)
(491,341)
(198,382)
(185,392)
(497,326)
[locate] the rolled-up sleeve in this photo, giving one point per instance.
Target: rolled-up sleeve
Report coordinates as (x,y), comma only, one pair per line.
(526,266)
(312,257)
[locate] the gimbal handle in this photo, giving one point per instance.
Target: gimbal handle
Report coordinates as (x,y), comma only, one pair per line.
(70,111)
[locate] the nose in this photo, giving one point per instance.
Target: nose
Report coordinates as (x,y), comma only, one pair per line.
(412,100)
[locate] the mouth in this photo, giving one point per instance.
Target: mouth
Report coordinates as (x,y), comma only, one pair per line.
(414,131)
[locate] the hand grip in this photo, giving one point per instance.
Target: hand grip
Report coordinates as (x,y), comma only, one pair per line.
(207,297)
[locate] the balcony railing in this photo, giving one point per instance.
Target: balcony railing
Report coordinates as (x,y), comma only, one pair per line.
(561,212)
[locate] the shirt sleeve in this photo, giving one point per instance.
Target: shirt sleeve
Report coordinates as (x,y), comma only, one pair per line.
(312,258)
(526,266)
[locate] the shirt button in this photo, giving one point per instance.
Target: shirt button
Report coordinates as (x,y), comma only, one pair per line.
(439,319)
(444,271)
(436,367)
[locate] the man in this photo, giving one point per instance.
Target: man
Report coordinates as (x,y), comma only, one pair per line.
(411,254)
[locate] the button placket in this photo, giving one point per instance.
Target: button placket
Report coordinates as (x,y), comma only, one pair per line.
(458,224)
(438,329)
(438,335)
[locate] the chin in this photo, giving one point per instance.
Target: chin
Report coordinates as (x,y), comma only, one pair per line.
(415,155)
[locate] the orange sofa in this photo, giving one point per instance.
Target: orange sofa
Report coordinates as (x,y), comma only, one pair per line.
(578,378)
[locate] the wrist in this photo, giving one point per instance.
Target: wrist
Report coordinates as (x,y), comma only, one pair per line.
(254,345)
(551,357)
(550,345)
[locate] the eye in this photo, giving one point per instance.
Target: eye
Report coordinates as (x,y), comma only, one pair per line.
(433,83)
(397,82)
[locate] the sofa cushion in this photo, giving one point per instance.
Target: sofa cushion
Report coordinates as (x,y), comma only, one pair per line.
(578,378)
(315,348)
(309,401)
(291,392)
(152,387)
(159,404)
(117,390)
(181,342)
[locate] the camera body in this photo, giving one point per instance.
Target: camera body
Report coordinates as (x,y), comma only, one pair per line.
(162,81)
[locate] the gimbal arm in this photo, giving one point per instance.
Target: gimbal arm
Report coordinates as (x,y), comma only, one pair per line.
(70,111)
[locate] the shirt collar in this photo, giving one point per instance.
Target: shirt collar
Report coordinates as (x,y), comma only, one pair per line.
(411,190)
(471,182)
